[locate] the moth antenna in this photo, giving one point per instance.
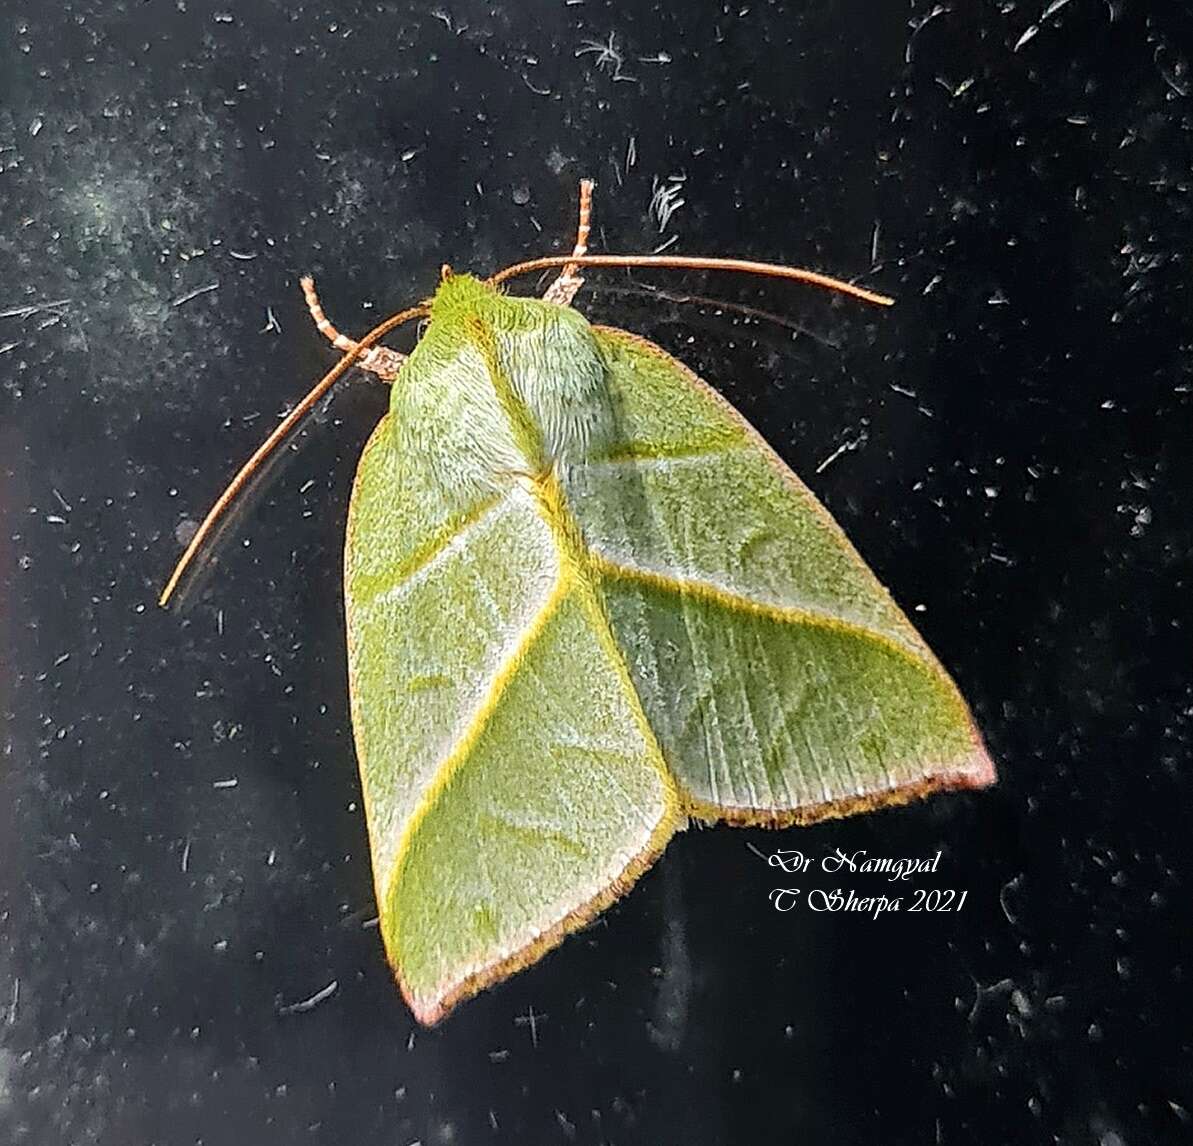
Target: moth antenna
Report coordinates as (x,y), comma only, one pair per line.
(379,360)
(282,430)
(724,304)
(696,263)
(564,288)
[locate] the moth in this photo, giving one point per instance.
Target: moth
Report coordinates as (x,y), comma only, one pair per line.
(586,604)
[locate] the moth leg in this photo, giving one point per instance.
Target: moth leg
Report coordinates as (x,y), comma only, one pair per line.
(379,360)
(564,288)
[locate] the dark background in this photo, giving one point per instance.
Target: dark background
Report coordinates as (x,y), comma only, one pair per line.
(1020,478)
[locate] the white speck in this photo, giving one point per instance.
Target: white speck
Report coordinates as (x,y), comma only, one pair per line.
(531,1020)
(917,27)
(271,322)
(30,309)
(608,57)
(230,783)
(844,447)
(666,198)
(1027,37)
(1052,9)
(311,1003)
(1034,30)
(195,294)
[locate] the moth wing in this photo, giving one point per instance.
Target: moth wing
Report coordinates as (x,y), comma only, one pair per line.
(780,678)
(512,786)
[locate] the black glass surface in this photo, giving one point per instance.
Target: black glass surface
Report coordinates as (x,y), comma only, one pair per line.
(183,857)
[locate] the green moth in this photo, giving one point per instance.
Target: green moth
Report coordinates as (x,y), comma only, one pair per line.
(586,603)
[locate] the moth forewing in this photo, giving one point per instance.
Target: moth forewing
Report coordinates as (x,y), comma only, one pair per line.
(513,783)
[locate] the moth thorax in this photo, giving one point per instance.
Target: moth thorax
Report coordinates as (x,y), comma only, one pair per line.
(559,377)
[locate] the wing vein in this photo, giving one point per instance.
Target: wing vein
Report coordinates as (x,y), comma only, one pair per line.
(458,753)
(368,589)
(678,457)
(735,602)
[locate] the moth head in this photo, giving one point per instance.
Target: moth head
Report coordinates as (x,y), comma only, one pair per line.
(459,293)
